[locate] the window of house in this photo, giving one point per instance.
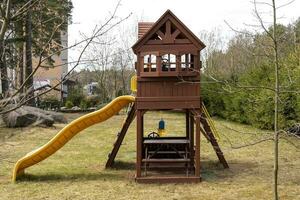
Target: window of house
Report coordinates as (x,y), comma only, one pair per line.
(149,63)
(168,62)
(187,62)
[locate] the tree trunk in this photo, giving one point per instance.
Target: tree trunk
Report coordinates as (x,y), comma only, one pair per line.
(276,63)
(28,56)
(3,70)
(116,84)
(20,66)
(123,81)
(3,67)
(20,55)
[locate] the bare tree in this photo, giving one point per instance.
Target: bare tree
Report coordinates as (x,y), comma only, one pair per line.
(20,96)
(268,48)
(111,58)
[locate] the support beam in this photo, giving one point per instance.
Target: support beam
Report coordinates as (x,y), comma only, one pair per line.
(139,147)
(121,135)
(160,34)
(191,137)
(168,37)
(204,133)
(187,124)
(168,29)
(197,146)
(175,34)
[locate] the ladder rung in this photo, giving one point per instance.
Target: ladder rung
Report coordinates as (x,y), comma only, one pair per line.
(165,152)
(168,160)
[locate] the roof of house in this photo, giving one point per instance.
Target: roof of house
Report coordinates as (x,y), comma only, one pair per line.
(146,33)
(143,27)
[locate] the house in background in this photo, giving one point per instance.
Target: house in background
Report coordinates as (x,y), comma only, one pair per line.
(46,77)
(90,89)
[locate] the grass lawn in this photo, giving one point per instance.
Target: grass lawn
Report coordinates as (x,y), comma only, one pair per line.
(77,170)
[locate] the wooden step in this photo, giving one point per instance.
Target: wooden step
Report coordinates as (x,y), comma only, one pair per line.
(171,179)
(167,152)
(166,160)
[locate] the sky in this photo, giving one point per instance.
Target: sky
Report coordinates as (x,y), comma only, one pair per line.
(198,15)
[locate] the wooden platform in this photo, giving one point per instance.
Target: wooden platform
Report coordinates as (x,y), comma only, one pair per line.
(168,179)
(165,103)
(166,141)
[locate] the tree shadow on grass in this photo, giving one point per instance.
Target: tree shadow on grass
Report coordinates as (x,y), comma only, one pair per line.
(103,175)
(54,177)
(121,165)
(213,171)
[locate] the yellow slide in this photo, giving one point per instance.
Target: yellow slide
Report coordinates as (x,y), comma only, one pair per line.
(63,136)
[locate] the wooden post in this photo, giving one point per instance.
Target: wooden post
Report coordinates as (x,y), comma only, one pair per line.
(197,148)
(178,63)
(140,65)
(191,137)
(158,64)
(139,146)
(187,124)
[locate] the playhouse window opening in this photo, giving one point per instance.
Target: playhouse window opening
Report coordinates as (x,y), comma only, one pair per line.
(163,29)
(187,62)
(150,63)
(168,62)
(152,119)
(173,28)
(181,36)
(156,37)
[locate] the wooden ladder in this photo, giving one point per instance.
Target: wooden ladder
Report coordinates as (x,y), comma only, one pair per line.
(120,136)
(211,138)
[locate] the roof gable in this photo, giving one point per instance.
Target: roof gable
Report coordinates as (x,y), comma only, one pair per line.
(143,27)
(168,29)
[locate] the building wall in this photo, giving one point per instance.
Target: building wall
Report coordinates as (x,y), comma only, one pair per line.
(54,74)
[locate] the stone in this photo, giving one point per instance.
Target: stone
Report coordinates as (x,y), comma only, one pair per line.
(295,129)
(27,115)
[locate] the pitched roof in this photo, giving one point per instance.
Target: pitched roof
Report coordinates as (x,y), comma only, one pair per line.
(167,15)
(143,27)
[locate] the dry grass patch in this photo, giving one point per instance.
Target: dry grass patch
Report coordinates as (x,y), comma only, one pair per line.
(77,170)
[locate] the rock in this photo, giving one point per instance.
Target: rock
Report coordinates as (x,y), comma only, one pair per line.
(75,108)
(92,108)
(24,116)
(295,129)
(27,115)
(43,120)
(2,124)
(58,117)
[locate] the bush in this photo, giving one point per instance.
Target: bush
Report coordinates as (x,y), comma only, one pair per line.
(69,104)
(101,105)
(93,100)
(75,96)
(49,102)
(83,104)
